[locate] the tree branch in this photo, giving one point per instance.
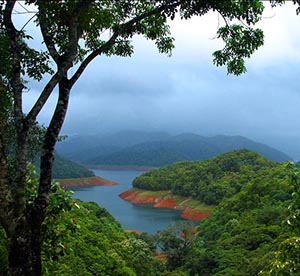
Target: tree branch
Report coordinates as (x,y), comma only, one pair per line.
(46,34)
(28,22)
(17,186)
(63,67)
(63,63)
(48,89)
(47,155)
(171,5)
(7,18)
(123,28)
(16,82)
(91,56)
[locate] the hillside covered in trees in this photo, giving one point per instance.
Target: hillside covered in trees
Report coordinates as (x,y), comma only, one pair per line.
(64,168)
(133,148)
(212,180)
(253,229)
(86,241)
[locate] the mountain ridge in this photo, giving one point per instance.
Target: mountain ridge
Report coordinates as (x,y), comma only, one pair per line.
(159,149)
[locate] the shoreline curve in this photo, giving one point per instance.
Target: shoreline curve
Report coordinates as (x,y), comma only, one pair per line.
(164,200)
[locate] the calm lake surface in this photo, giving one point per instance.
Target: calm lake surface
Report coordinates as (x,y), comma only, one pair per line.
(132,217)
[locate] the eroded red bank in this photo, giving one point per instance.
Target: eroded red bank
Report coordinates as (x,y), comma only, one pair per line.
(165,203)
(194,215)
(89,181)
(136,197)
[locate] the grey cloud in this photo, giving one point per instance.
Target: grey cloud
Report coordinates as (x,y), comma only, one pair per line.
(177,97)
(187,93)
(124,76)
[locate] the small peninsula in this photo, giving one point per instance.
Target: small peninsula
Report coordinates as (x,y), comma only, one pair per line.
(191,209)
(86,181)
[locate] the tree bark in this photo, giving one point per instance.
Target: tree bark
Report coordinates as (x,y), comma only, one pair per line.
(20,256)
(25,242)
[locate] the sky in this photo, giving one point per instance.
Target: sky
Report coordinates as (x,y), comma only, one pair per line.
(187,93)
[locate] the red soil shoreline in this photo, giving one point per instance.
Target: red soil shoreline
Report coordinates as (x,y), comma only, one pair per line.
(119,168)
(135,197)
(87,181)
(194,215)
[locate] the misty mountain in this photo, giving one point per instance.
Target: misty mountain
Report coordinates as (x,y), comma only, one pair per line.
(82,148)
(157,149)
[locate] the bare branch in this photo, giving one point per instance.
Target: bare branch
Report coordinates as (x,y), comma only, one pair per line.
(28,22)
(17,12)
(7,19)
(24,8)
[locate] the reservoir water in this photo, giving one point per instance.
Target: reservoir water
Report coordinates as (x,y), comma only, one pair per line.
(132,217)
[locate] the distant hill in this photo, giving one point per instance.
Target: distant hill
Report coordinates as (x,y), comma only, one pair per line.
(84,148)
(157,149)
(63,168)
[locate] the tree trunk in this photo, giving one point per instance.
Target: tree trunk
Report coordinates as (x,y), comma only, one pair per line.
(24,250)
(25,243)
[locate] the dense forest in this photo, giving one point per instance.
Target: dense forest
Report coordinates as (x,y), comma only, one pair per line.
(86,241)
(253,229)
(212,180)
